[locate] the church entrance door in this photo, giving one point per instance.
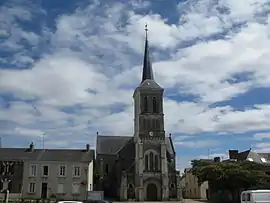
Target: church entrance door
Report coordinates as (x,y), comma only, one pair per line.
(151,192)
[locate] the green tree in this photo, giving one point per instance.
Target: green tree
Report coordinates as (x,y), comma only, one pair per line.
(230,176)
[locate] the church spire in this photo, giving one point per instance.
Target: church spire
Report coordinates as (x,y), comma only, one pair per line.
(147,65)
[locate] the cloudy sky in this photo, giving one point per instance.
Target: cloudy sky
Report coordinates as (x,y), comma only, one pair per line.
(68,69)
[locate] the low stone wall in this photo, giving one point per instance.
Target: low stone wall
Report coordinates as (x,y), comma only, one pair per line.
(12,196)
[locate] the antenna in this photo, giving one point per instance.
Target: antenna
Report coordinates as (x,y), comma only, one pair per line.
(43,140)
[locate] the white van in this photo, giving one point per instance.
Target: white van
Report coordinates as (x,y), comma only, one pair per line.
(255,196)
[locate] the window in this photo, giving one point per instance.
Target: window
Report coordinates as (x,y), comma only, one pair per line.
(76,171)
(75,188)
(243,197)
(146,162)
(156,163)
(155,109)
(33,170)
(151,161)
(62,170)
(145,104)
(248,197)
(45,170)
(32,187)
(107,168)
(157,124)
(60,188)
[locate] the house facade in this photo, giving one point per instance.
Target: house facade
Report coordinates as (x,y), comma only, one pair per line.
(64,174)
(140,166)
(194,190)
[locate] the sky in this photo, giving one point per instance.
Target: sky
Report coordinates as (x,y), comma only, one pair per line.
(68,69)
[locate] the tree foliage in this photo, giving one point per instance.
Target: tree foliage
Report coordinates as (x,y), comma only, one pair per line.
(230,175)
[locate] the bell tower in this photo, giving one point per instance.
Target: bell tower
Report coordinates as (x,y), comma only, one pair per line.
(148,99)
(149,135)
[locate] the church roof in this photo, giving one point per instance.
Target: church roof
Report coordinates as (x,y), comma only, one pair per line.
(110,144)
(65,155)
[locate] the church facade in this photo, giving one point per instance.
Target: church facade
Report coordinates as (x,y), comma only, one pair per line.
(140,167)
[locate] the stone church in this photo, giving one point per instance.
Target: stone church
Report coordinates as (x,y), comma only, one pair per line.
(140,167)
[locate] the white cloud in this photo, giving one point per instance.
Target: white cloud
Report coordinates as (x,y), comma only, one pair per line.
(95,60)
(261,136)
(197,144)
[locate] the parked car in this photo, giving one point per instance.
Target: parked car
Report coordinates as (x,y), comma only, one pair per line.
(253,196)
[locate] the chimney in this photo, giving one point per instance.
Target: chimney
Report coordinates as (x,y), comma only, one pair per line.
(233,154)
(87,147)
(31,147)
(217,159)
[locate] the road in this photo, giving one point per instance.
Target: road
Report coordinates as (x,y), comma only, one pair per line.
(193,201)
(185,201)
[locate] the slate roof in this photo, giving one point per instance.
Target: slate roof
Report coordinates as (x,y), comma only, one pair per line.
(147,65)
(252,156)
(110,145)
(66,155)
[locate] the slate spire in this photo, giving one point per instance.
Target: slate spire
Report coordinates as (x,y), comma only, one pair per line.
(147,65)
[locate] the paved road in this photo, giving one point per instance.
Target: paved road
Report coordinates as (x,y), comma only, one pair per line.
(193,201)
(184,201)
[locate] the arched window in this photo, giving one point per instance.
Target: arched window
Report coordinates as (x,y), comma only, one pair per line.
(145,104)
(156,163)
(157,124)
(146,167)
(155,109)
(107,168)
(151,161)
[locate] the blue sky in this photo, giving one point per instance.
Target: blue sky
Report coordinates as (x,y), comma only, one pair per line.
(68,69)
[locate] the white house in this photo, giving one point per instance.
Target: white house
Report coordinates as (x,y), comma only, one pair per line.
(65,174)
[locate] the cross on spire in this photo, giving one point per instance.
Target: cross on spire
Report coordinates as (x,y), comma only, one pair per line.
(146,30)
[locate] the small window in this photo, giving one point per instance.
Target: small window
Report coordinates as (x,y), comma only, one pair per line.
(32,187)
(76,171)
(145,104)
(146,163)
(130,186)
(62,170)
(172,186)
(45,170)
(243,197)
(248,197)
(33,170)
(156,163)
(151,161)
(155,109)
(107,168)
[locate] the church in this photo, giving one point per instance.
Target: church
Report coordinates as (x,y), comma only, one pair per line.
(140,167)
